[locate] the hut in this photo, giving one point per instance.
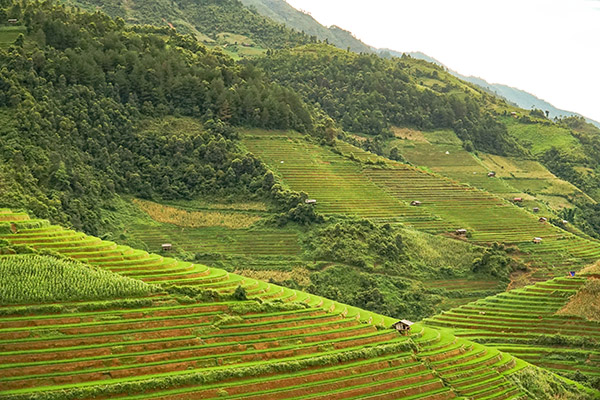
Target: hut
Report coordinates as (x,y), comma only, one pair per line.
(403,326)
(517,200)
(543,219)
(537,240)
(536,209)
(310,201)
(13,21)
(461,232)
(491,174)
(564,222)
(167,247)
(415,203)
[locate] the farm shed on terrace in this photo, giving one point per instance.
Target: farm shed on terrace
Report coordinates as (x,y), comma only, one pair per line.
(491,174)
(536,209)
(167,247)
(461,232)
(403,326)
(310,201)
(415,203)
(517,199)
(537,240)
(543,219)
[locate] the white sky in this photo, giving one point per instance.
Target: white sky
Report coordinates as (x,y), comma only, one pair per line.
(550,48)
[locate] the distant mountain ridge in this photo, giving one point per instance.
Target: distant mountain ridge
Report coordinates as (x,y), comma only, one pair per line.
(513,95)
(282,12)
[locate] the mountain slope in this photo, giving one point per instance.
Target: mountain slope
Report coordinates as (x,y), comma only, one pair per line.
(282,12)
(207,20)
(208,341)
(518,97)
(541,323)
(89,118)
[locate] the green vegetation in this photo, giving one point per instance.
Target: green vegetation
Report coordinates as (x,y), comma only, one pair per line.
(29,279)
(539,324)
(9,34)
(290,177)
(181,343)
(84,112)
(204,19)
(367,94)
(585,303)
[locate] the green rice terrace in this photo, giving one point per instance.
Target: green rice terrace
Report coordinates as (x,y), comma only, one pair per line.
(536,324)
(189,331)
(348,181)
(442,152)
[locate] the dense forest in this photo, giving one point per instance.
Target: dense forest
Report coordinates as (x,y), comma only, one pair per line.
(76,91)
(207,18)
(367,94)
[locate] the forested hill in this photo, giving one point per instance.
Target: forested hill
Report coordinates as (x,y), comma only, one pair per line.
(368,94)
(281,11)
(207,20)
(84,108)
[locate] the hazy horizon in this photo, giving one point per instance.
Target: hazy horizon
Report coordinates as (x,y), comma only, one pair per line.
(547,48)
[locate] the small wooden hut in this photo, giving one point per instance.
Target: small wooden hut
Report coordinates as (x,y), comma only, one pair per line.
(403,326)
(310,201)
(461,232)
(415,203)
(543,219)
(167,247)
(491,174)
(537,240)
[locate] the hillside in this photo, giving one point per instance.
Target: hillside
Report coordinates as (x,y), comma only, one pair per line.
(208,341)
(302,201)
(282,12)
(543,324)
(366,94)
(517,97)
(383,190)
(209,21)
(96,124)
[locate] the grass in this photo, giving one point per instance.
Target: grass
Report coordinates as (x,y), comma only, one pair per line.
(8,35)
(586,303)
(195,219)
(539,138)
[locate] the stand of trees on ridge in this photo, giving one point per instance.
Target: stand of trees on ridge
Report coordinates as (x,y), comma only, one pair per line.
(366,94)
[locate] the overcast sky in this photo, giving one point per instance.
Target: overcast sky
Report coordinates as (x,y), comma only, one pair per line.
(550,48)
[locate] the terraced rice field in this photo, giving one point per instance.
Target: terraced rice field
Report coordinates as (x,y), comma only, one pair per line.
(169,350)
(161,347)
(383,192)
(159,269)
(336,182)
(524,322)
(217,240)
